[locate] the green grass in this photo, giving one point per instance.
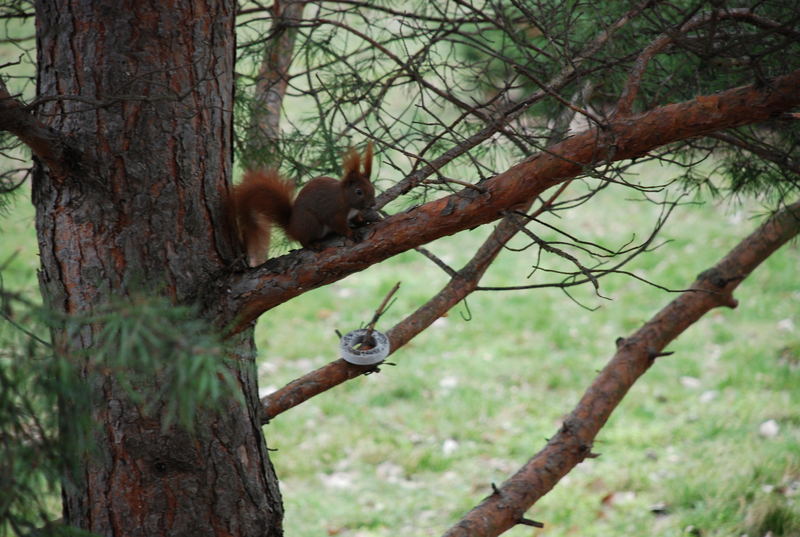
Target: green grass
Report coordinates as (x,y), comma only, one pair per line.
(409,450)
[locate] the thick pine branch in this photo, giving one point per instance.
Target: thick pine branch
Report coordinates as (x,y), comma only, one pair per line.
(246,295)
(506,506)
(45,143)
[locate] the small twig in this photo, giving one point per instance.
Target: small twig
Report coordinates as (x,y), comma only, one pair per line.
(380,311)
(561,253)
(656,354)
(528,522)
(577,109)
(10,258)
(549,203)
(762,151)
(439,263)
(25,331)
(454,181)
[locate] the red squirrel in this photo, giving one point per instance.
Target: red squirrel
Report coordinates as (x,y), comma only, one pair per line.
(322,206)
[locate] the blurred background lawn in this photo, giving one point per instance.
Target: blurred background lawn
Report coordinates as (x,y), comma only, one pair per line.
(706,443)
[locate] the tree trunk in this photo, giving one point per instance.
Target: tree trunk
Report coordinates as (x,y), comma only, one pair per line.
(140,205)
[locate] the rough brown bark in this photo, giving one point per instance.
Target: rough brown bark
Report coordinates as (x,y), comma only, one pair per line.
(247,295)
(139,207)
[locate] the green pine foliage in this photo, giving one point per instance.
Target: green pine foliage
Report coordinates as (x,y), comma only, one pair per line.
(138,340)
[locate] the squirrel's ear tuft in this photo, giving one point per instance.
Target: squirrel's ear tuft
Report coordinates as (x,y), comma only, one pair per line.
(350,165)
(368,160)
(352,162)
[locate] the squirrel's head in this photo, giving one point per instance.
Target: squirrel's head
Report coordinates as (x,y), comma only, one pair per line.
(357,169)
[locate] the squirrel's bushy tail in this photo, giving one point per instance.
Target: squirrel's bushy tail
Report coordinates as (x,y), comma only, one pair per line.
(261,198)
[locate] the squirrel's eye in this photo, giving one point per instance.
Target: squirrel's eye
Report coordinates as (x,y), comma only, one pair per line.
(359,192)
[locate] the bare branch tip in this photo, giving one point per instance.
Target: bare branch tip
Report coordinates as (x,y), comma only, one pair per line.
(528,522)
(729,301)
(653,354)
(382,309)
